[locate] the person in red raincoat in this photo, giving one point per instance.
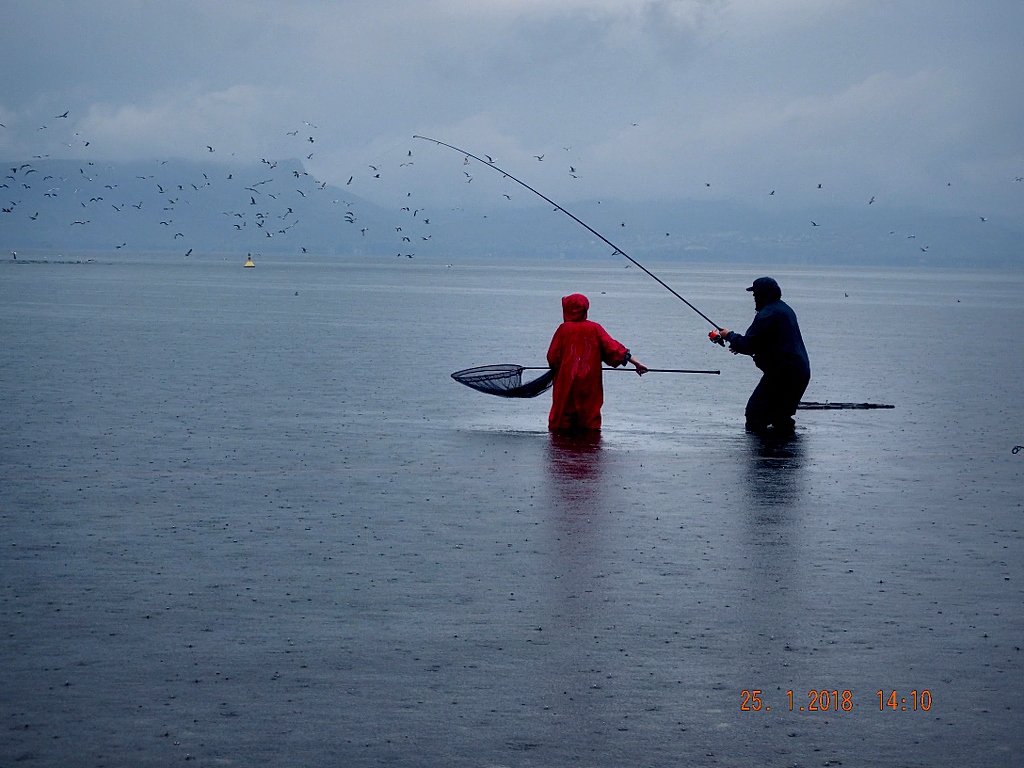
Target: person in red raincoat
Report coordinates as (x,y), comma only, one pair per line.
(577,350)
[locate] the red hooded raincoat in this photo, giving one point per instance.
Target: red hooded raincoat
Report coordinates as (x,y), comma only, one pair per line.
(577,350)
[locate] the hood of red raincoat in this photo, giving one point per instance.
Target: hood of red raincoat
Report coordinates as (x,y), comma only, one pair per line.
(574,307)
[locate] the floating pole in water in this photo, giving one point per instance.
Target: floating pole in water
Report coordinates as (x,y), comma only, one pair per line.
(248,261)
(841,406)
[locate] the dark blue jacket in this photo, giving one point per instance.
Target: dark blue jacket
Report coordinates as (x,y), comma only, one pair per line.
(774,340)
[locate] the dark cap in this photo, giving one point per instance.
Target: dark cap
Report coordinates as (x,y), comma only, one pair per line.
(763,284)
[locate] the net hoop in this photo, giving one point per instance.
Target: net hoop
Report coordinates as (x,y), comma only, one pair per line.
(504,380)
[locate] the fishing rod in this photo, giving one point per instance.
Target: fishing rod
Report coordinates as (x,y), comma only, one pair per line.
(578,221)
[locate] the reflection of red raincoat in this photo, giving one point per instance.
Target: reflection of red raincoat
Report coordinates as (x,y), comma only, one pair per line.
(577,350)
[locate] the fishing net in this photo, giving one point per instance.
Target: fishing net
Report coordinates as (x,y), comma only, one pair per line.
(504,380)
(804,406)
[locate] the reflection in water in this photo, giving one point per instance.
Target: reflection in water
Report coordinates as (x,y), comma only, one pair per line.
(575,469)
(577,505)
(577,600)
(773,477)
(773,482)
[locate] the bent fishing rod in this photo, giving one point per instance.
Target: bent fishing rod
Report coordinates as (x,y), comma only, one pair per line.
(578,221)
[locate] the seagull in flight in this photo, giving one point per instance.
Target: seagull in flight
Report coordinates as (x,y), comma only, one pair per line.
(58,117)
(539,157)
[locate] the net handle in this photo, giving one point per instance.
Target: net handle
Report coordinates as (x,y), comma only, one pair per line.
(649,370)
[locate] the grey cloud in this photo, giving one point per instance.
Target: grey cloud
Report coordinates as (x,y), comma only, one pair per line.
(872,95)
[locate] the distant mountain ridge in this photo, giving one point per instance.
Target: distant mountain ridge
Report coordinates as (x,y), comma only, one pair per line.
(180,206)
(177,205)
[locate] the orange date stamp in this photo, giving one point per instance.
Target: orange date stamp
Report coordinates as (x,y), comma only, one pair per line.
(836,700)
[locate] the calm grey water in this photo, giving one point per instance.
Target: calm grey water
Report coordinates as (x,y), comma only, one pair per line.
(248,519)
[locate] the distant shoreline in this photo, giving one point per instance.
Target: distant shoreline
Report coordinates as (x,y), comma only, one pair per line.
(49,261)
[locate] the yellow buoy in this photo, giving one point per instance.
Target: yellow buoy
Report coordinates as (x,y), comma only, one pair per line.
(248,261)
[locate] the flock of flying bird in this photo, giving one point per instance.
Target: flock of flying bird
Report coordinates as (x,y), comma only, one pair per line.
(263,205)
(260,212)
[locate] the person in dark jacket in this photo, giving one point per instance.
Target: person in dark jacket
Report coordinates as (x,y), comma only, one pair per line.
(774,341)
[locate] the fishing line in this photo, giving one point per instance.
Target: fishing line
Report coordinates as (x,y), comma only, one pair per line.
(586,226)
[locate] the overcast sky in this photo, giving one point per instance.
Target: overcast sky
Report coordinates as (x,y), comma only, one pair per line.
(913,103)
